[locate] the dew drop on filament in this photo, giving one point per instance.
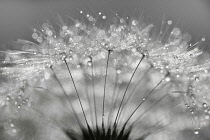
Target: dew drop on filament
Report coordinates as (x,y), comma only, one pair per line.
(118,71)
(196,132)
(103,17)
(8,98)
(204,105)
(89,63)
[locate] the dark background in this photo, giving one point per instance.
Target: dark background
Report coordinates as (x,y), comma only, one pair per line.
(17,17)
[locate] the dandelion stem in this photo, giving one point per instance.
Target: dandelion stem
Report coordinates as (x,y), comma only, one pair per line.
(144,100)
(153,105)
(88,98)
(76,93)
(64,92)
(132,92)
(107,63)
(115,122)
(113,98)
(94,96)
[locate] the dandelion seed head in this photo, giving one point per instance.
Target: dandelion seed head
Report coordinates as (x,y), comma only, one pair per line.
(122,54)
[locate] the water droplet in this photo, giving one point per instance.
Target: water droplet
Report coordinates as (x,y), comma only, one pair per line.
(63,55)
(192,96)
(190,86)
(49,33)
(34,35)
(169,22)
(27,99)
(12,125)
(204,105)
(39,39)
(89,63)
(8,98)
(196,78)
(64,28)
(104,17)
(70,51)
(118,71)
(134,22)
(167,79)
(90,18)
(145,53)
(78,66)
(19,106)
(121,20)
(176,31)
(196,132)
(45,26)
(191,111)
(20,96)
(138,49)
(206,117)
(14,130)
(24,101)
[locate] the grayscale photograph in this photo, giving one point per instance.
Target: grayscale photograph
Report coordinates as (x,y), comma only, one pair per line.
(104,70)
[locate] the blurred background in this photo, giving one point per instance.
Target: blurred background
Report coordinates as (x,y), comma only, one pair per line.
(18,17)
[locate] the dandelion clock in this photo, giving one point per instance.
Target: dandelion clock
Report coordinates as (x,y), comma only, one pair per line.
(102,77)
